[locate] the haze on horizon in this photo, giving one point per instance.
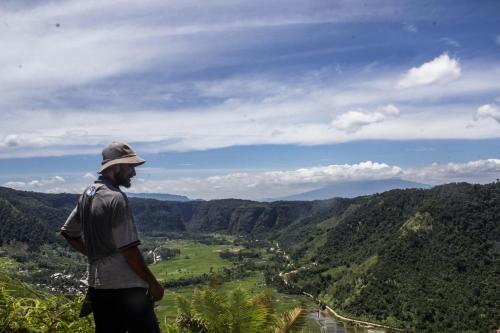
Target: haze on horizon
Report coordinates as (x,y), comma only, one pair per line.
(249,99)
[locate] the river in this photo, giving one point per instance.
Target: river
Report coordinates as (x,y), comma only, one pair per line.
(322,322)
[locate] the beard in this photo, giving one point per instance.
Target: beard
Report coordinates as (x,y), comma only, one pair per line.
(122,179)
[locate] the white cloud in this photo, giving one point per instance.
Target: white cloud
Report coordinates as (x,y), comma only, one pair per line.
(53,45)
(474,171)
(25,139)
(410,28)
(297,112)
(62,85)
(11,140)
(36,184)
(89,175)
(38,136)
(277,183)
(258,185)
(442,69)
(16,185)
(488,111)
(333,173)
(353,121)
(451,42)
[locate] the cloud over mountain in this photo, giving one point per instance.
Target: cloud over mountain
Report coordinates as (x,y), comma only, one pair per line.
(278,183)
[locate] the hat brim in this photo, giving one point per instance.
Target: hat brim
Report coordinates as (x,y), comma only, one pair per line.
(135,160)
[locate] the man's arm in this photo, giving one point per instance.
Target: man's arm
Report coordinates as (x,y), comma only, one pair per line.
(77,244)
(72,232)
(136,261)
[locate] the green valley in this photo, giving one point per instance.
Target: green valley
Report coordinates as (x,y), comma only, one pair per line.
(422,260)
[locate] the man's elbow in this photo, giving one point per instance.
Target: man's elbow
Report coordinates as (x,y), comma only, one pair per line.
(76,243)
(130,252)
(67,236)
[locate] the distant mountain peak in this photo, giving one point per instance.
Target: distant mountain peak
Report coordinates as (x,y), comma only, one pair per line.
(159,196)
(351,189)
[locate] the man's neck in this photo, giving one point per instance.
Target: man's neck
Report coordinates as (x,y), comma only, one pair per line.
(108,179)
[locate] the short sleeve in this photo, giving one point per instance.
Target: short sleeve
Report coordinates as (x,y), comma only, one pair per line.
(123,226)
(72,228)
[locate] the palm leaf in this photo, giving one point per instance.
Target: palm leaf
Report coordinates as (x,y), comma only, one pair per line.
(291,321)
(246,315)
(183,306)
(211,310)
(265,303)
(238,309)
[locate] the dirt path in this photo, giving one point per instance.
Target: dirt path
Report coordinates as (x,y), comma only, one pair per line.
(365,323)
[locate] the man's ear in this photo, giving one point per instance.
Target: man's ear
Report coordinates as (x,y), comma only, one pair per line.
(112,170)
(116,168)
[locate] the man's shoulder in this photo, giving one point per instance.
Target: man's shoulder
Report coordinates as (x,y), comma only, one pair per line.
(104,189)
(111,195)
(102,192)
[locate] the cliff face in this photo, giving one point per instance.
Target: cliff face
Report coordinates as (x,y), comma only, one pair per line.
(49,211)
(211,216)
(249,217)
(260,218)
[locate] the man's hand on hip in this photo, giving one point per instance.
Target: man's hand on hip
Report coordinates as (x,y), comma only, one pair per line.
(136,262)
(156,291)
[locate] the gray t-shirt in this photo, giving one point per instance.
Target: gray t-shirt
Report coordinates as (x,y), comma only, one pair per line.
(103,217)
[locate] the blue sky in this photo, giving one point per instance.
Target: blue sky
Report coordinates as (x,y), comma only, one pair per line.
(250,99)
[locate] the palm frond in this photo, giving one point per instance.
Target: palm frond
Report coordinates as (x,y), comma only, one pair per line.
(291,321)
(265,303)
(183,306)
(246,314)
(211,310)
(189,324)
(238,309)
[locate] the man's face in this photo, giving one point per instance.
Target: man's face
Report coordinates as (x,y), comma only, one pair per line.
(124,174)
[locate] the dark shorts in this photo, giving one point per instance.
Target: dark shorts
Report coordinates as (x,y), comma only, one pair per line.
(123,310)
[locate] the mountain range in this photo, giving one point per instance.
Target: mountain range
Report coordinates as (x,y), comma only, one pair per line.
(159,196)
(424,259)
(353,189)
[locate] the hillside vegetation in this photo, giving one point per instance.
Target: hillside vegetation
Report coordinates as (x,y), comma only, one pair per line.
(422,259)
(427,260)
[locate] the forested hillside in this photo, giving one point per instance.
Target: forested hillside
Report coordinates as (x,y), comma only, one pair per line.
(31,217)
(427,260)
(35,218)
(423,259)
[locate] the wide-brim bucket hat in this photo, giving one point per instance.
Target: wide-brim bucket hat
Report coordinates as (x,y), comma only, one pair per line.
(119,153)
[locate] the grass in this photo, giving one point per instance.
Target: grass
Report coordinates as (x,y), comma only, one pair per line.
(4,261)
(166,309)
(8,264)
(195,259)
(255,285)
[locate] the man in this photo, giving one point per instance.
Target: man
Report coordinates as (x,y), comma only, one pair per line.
(121,286)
